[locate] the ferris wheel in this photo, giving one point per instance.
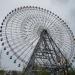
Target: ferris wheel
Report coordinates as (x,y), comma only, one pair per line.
(21,29)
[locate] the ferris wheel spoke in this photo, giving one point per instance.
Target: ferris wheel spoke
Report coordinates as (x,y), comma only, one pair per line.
(19,50)
(25,44)
(28,47)
(16,38)
(24,50)
(27,54)
(19,43)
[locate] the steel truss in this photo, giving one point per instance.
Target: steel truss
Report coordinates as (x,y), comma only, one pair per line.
(48,56)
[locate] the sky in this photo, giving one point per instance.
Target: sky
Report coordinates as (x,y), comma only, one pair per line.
(63,8)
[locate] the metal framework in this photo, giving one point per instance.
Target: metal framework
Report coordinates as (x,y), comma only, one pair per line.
(48,56)
(37,37)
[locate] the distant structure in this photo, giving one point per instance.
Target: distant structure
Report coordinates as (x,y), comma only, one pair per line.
(39,39)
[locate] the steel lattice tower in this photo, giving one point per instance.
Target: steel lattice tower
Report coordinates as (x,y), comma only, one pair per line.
(48,56)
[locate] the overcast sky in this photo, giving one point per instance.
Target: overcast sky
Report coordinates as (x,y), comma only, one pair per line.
(63,8)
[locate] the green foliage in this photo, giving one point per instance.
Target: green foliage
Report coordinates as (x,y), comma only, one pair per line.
(2,72)
(42,71)
(71,72)
(37,71)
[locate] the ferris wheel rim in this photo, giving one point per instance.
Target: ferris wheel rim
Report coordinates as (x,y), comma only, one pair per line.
(13,11)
